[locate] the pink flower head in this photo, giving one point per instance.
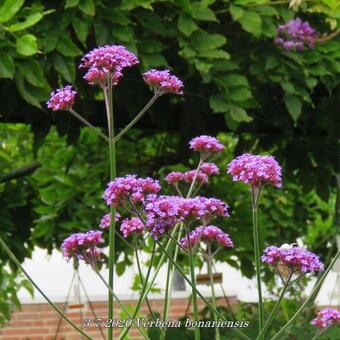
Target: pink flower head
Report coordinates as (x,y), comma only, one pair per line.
(82,245)
(207,233)
(62,99)
(106,220)
(190,175)
(296,35)
(326,317)
(164,212)
(174,177)
(109,58)
(206,145)
(130,226)
(295,259)
(163,81)
(210,169)
(130,188)
(255,170)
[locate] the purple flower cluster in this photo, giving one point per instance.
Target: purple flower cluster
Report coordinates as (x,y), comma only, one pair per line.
(130,226)
(207,233)
(83,246)
(296,259)
(107,61)
(62,99)
(255,170)
(326,317)
(206,170)
(163,81)
(130,188)
(206,145)
(106,220)
(296,35)
(164,212)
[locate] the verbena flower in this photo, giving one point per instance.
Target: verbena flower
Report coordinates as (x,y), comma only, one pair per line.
(206,145)
(326,317)
(109,58)
(163,81)
(189,176)
(255,170)
(295,259)
(130,188)
(207,233)
(96,76)
(131,226)
(105,222)
(62,99)
(210,169)
(83,246)
(174,177)
(164,212)
(296,35)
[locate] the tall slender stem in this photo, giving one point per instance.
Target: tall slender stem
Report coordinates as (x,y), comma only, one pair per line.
(146,288)
(140,273)
(303,306)
(141,329)
(88,124)
(213,296)
(137,118)
(193,284)
(16,261)
(112,150)
(255,194)
(275,308)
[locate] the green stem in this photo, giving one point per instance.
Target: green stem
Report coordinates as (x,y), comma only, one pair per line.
(180,270)
(316,288)
(255,193)
(16,261)
(74,113)
(274,310)
(213,296)
(112,150)
(141,330)
(168,288)
(140,273)
(142,294)
(193,284)
(137,118)
(318,334)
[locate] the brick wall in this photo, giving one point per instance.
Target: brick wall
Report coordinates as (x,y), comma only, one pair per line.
(40,321)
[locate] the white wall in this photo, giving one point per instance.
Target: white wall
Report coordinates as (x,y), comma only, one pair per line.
(53,275)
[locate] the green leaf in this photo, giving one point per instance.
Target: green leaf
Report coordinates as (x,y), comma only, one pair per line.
(71,3)
(87,7)
(239,94)
(120,268)
(239,115)
(252,23)
(214,54)
(132,4)
(7,66)
(32,72)
(186,25)
(202,41)
(66,47)
(27,45)
(236,12)
(9,8)
(218,103)
(65,66)
(294,106)
(233,80)
(203,13)
(28,22)
(81,29)
(20,83)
